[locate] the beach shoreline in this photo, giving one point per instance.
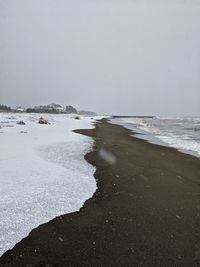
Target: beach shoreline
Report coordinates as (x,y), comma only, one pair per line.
(145,212)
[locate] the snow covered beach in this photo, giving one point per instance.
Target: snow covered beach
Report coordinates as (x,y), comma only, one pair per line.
(43,173)
(145,211)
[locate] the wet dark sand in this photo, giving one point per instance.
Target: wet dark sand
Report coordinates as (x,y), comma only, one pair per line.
(146,211)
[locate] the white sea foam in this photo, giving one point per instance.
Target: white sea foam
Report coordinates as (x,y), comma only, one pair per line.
(43,173)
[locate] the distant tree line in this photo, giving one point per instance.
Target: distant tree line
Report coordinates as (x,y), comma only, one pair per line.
(51,108)
(5,108)
(42,110)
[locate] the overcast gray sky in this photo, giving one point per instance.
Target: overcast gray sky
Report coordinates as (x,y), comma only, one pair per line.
(111,56)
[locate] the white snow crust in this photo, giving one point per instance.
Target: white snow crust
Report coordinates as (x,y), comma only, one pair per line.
(43,173)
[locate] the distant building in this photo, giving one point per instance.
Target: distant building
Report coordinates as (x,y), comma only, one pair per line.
(20,109)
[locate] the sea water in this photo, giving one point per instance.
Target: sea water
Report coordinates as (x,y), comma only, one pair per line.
(182,133)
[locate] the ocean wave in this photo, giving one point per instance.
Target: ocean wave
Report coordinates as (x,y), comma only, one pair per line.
(178,132)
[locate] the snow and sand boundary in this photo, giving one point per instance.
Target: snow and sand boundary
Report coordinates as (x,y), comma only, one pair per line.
(145,211)
(43,173)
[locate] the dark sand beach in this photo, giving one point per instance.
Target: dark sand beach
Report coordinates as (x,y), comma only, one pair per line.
(146,211)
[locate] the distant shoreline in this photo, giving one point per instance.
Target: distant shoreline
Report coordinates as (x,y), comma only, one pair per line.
(52,108)
(45,112)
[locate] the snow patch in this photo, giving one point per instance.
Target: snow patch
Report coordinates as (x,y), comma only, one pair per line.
(43,173)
